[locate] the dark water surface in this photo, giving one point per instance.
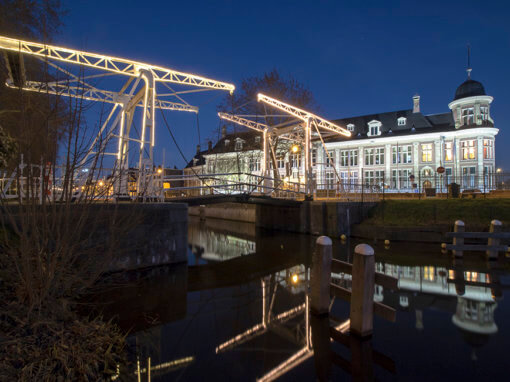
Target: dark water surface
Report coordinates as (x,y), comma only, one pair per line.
(236,312)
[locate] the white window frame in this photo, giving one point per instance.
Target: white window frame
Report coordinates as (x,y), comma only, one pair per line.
(468,115)
(427,151)
(239,144)
(468,149)
(402,121)
(350,126)
(488,148)
(374,128)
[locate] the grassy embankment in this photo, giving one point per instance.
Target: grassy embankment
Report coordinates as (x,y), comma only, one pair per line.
(474,212)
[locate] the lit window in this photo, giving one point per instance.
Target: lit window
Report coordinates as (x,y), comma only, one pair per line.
(488,149)
(402,121)
(468,116)
(350,127)
(426,152)
(448,151)
(349,158)
(429,273)
(468,149)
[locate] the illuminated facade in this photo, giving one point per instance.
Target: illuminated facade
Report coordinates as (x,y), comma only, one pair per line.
(402,150)
(398,151)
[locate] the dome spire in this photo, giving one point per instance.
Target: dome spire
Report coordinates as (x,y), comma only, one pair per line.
(469,69)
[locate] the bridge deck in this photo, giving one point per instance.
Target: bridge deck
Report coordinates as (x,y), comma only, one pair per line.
(237,198)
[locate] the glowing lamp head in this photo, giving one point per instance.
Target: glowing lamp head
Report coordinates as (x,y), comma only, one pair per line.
(160,170)
(294,279)
(101,183)
(295,148)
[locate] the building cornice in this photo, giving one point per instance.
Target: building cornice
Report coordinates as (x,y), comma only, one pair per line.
(417,137)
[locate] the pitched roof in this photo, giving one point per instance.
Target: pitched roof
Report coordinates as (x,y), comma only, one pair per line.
(252,140)
(416,123)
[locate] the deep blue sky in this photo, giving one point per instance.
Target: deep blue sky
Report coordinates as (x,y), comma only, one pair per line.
(357,57)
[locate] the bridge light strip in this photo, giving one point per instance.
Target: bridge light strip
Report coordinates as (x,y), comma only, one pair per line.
(303,114)
(109,63)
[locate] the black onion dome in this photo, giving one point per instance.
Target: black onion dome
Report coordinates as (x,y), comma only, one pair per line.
(469,88)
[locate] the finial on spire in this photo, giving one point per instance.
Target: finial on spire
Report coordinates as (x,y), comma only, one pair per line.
(469,61)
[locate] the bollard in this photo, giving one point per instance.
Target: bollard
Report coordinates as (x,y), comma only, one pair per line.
(362,297)
(320,278)
(495,227)
(459,227)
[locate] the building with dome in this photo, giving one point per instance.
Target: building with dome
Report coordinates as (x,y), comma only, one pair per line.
(399,151)
(403,150)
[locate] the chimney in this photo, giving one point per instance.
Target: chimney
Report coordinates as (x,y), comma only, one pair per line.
(209,145)
(416,104)
(223,131)
(198,149)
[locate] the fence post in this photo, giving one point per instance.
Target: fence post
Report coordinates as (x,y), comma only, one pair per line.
(495,227)
(320,278)
(459,227)
(362,297)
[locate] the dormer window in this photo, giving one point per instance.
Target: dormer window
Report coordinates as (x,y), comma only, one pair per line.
(401,121)
(239,144)
(257,139)
(227,142)
(350,127)
(374,128)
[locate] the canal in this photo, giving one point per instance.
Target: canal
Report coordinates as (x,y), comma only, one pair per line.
(236,311)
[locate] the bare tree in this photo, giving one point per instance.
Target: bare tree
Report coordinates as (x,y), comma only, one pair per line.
(276,85)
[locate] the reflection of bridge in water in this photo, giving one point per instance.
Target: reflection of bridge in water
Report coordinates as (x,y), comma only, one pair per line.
(267,287)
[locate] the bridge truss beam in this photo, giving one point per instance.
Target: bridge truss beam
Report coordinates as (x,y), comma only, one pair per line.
(310,120)
(125,102)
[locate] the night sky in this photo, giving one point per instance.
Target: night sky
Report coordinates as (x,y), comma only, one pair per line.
(357,57)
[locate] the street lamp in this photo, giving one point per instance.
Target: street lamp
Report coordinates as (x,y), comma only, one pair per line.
(295,148)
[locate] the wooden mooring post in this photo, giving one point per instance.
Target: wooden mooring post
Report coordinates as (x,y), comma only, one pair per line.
(362,295)
(320,278)
(458,240)
(493,242)
(491,249)
(354,333)
(364,279)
